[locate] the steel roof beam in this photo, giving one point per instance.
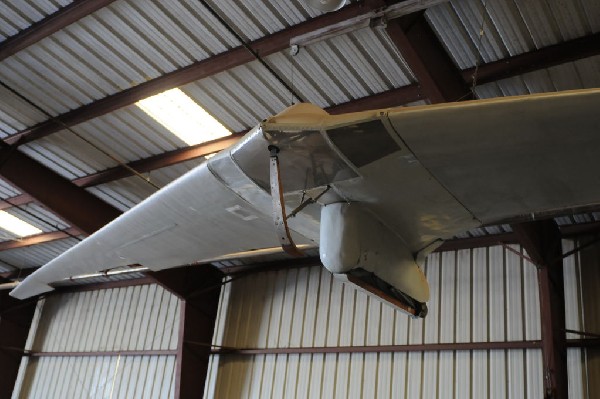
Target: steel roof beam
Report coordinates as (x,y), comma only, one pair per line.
(439,79)
(390,98)
(72,203)
(569,51)
(265,46)
(425,52)
(39,239)
(49,25)
(18,200)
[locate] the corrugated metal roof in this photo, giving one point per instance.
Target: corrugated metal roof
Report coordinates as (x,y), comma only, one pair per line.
(36,255)
(580,74)
(39,217)
(127,135)
(4,267)
(326,73)
(117,47)
(7,190)
(509,27)
(125,193)
(16,114)
(254,19)
(16,15)
(130,42)
(344,67)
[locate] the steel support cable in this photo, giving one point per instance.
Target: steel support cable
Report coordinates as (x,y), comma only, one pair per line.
(68,128)
(254,53)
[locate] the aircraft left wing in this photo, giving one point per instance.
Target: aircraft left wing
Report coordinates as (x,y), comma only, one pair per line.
(391,185)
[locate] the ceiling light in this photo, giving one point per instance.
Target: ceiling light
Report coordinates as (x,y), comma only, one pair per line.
(183,117)
(17,226)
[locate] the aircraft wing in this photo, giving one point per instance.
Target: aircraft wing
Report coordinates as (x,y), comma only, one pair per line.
(511,156)
(419,174)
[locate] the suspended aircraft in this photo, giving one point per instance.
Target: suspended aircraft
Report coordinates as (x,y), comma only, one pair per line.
(376,191)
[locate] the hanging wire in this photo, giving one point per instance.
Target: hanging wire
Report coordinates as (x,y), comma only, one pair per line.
(254,53)
(68,128)
(292,68)
(479,59)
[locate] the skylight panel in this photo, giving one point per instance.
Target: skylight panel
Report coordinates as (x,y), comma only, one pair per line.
(17,226)
(183,117)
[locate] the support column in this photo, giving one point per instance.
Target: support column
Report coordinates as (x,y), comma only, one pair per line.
(590,294)
(542,241)
(199,288)
(15,321)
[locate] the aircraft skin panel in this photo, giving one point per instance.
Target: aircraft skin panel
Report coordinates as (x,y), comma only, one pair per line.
(508,157)
(194,218)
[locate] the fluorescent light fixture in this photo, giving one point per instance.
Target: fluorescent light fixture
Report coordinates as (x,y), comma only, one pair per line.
(183,117)
(17,226)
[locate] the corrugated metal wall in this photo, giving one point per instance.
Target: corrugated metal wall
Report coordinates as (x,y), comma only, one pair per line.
(479,295)
(137,318)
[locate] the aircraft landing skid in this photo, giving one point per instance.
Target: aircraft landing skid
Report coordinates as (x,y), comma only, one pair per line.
(373,285)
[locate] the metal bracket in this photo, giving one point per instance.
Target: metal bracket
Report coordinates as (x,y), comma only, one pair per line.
(307,202)
(279,216)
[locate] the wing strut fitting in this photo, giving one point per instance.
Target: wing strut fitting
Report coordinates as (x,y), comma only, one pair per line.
(279,217)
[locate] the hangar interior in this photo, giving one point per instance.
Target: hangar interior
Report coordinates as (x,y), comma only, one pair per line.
(79,148)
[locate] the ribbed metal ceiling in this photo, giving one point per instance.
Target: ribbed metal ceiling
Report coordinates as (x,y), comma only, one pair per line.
(131,42)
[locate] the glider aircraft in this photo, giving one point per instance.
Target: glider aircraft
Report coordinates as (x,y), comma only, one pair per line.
(376,191)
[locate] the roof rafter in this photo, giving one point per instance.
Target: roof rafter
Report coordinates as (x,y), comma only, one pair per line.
(439,79)
(391,98)
(569,51)
(49,25)
(74,204)
(265,46)
(39,239)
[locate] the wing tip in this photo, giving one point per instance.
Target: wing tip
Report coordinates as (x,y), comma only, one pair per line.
(29,288)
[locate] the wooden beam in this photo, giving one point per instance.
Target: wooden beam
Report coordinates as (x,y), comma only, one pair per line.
(569,51)
(49,25)
(542,241)
(240,55)
(74,204)
(439,79)
(199,288)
